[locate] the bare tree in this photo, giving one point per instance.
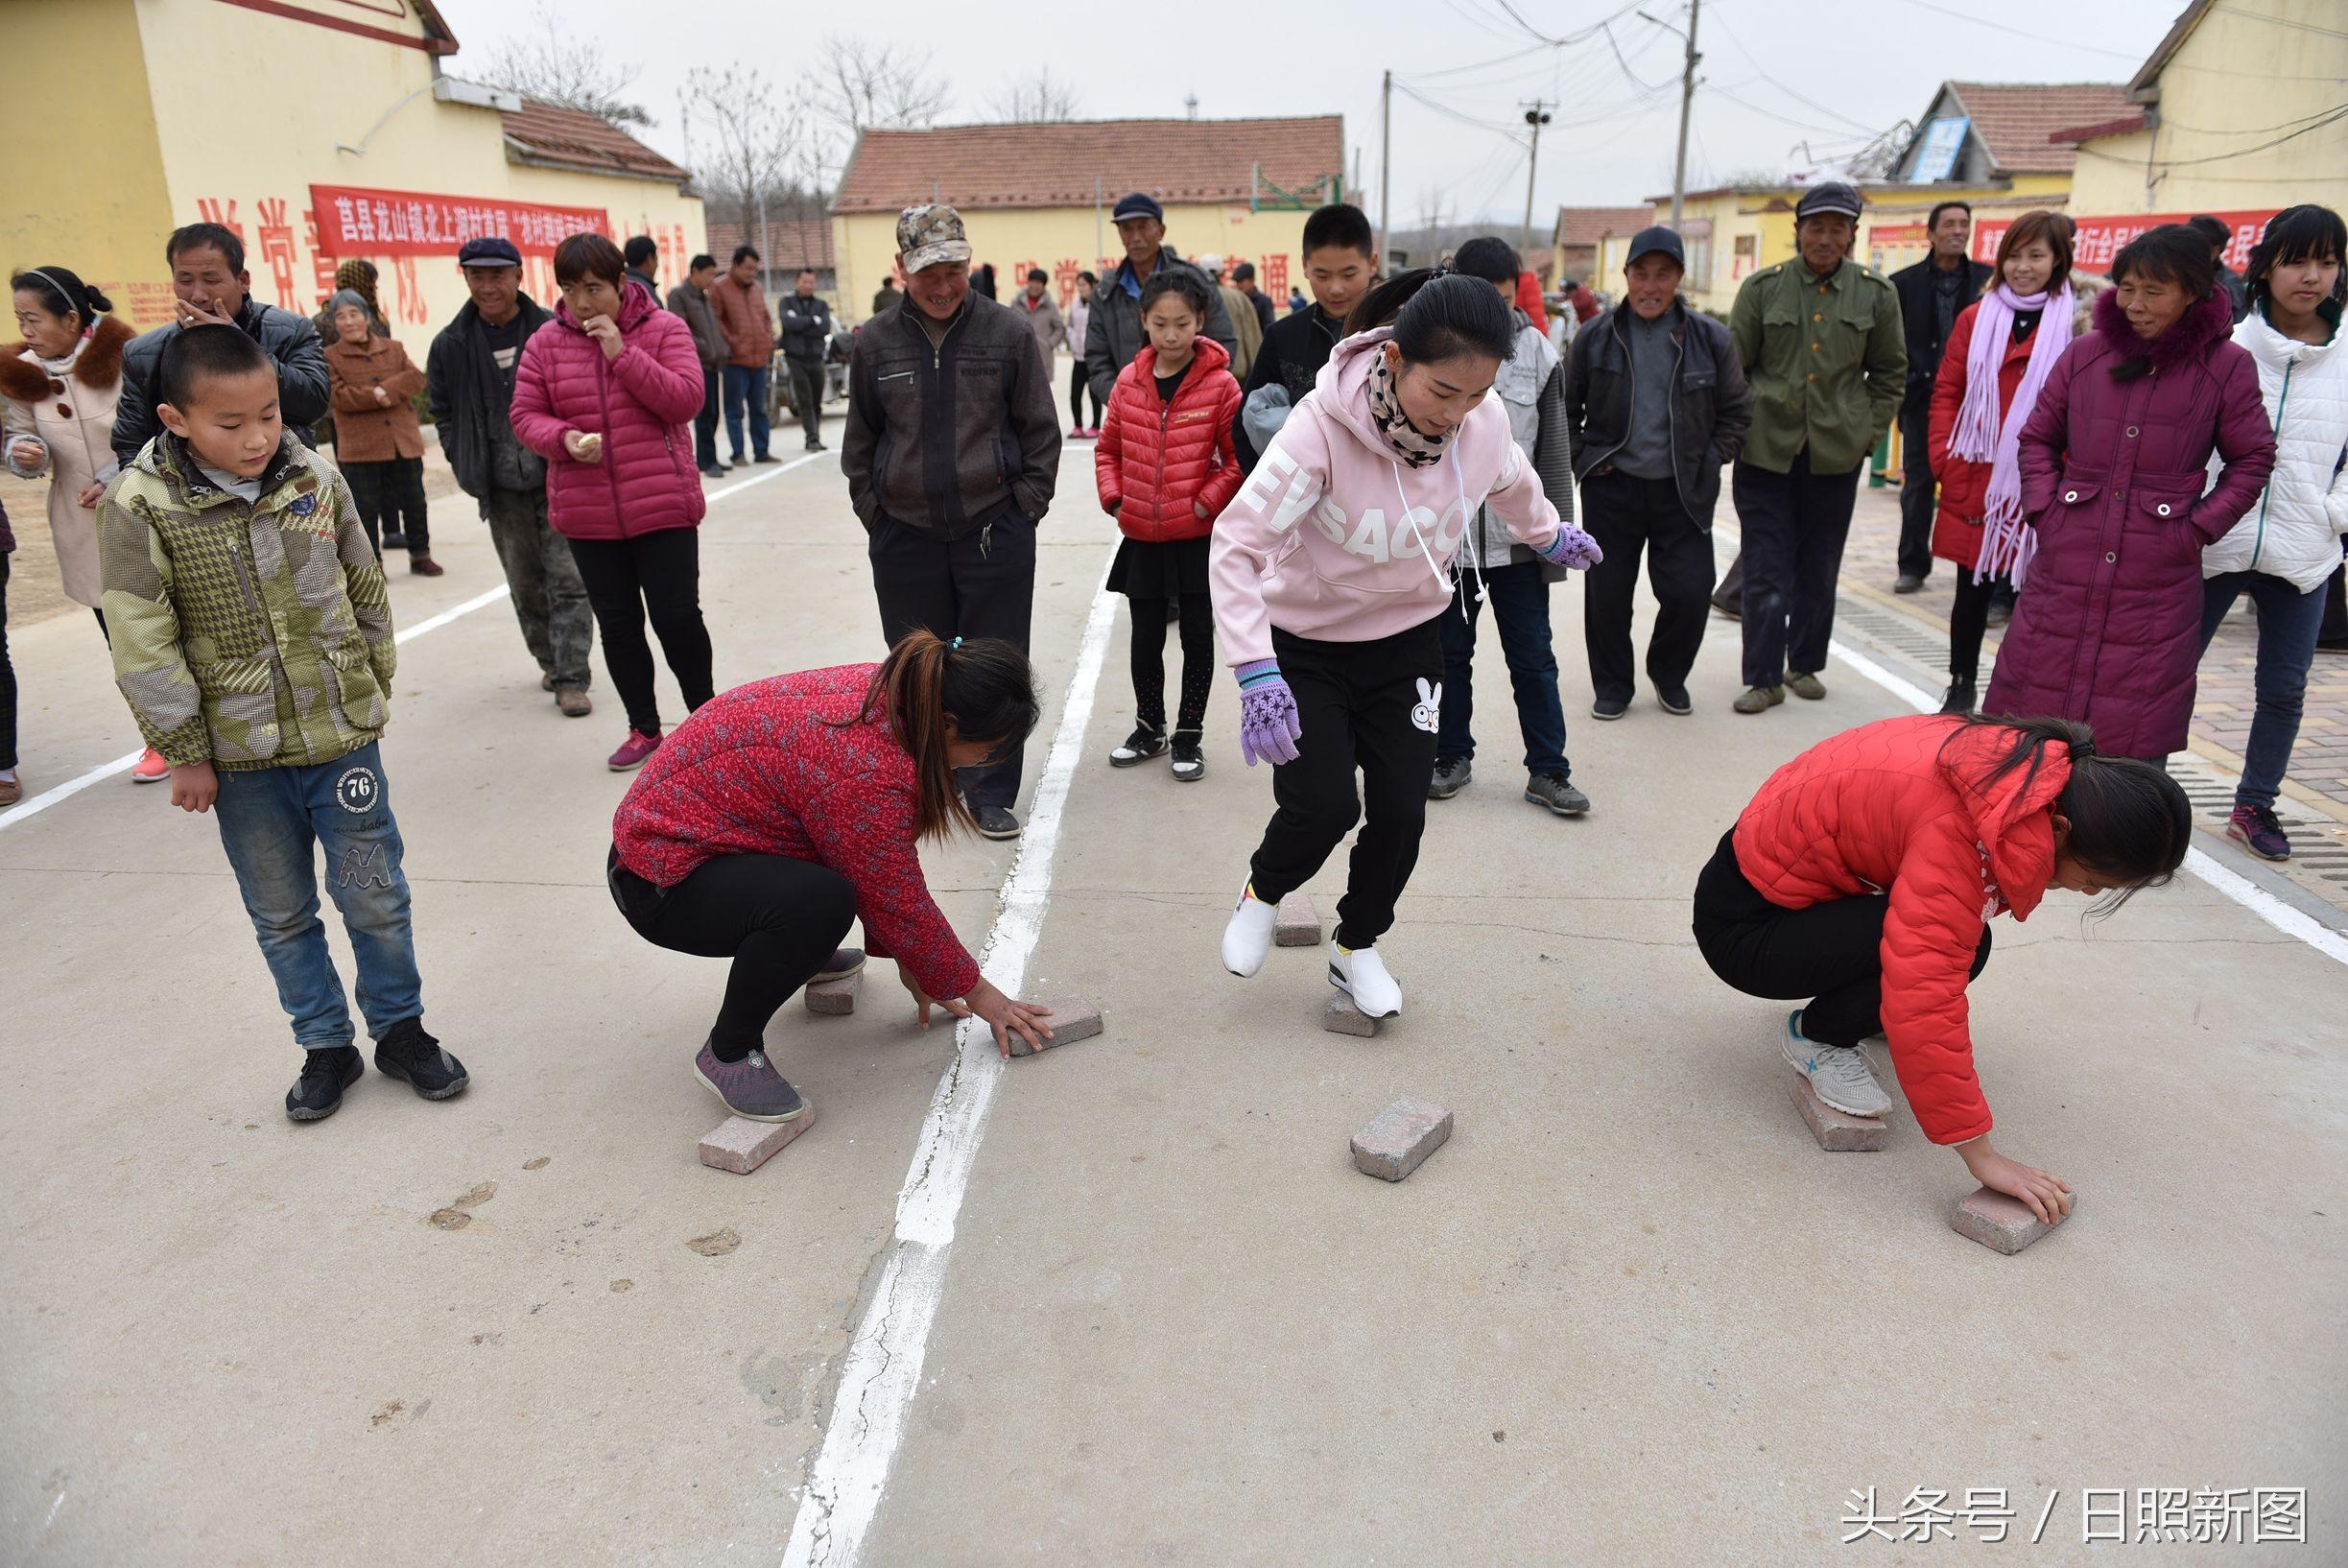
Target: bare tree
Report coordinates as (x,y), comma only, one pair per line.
(554,62)
(859,86)
(1433,208)
(1041,99)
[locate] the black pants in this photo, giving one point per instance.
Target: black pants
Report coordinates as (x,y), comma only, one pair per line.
(1969,619)
(779,919)
(1198,667)
(2333,632)
(981,584)
(8,677)
(657,573)
(1369,706)
(807,398)
(389,496)
(1080,388)
(1625,514)
(1919,495)
(1831,953)
(1795,526)
(705,423)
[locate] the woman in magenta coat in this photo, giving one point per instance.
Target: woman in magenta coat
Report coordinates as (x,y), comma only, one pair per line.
(606,395)
(2113,462)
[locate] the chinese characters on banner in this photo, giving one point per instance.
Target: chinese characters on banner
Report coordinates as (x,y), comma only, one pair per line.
(365,223)
(2098,240)
(1272,275)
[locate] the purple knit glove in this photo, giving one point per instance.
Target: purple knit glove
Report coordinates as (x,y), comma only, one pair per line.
(1573,548)
(1268,725)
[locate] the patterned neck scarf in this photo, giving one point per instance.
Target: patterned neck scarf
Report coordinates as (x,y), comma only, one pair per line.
(1418,450)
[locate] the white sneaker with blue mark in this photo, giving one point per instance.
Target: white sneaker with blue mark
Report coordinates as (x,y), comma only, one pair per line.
(1838,1074)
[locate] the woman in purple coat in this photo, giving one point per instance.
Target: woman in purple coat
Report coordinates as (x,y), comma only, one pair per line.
(2114,464)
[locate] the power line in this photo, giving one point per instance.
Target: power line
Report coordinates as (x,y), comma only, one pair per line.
(1976,19)
(2332,117)
(1755,61)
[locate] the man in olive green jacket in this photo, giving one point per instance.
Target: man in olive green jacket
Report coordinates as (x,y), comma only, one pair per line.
(1822,345)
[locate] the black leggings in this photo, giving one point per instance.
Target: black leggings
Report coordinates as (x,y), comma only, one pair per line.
(7,679)
(660,573)
(779,919)
(1148,617)
(1969,619)
(1831,953)
(1080,388)
(1371,705)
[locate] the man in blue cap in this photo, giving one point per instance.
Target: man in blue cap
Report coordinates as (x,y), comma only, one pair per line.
(1115,334)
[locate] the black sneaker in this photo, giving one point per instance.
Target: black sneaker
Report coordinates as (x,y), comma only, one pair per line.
(1188,756)
(996,823)
(318,1093)
(1958,698)
(1552,791)
(1140,746)
(1676,700)
(414,1057)
(1609,707)
(1451,776)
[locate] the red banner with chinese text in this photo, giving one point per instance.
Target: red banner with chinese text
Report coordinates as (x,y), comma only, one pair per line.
(2098,240)
(366,223)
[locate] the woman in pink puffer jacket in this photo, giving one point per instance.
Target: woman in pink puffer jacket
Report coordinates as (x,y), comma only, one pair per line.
(605,395)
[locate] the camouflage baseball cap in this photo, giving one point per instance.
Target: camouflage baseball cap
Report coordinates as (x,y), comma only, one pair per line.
(929,234)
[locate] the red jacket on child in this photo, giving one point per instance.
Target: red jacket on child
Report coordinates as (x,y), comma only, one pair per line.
(1163,460)
(1882,808)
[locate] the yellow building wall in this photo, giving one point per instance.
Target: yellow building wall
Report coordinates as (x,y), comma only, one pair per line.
(81,177)
(1064,241)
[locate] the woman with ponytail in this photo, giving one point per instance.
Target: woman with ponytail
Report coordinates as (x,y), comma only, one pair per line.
(782,810)
(1330,571)
(1863,877)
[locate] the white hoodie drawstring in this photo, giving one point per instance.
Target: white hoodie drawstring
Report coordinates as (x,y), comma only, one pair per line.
(1425,546)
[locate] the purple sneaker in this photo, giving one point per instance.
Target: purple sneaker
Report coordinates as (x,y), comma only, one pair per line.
(634,753)
(751,1088)
(2255,828)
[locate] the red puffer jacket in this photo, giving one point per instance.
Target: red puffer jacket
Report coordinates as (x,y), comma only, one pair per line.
(1885,808)
(1964,482)
(641,403)
(1157,462)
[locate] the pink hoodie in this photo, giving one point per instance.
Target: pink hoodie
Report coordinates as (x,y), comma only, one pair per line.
(1374,554)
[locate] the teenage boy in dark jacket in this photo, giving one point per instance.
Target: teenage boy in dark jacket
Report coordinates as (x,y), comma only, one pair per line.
(951,450)
(1341,262)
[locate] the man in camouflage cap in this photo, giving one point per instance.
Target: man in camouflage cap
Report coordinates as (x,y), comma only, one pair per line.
(952,446)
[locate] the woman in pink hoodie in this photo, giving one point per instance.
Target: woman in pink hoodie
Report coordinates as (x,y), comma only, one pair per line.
(1330,570)
(606,395)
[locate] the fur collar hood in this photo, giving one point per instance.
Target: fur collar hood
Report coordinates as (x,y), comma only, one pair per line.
(99,366)
(2195,333)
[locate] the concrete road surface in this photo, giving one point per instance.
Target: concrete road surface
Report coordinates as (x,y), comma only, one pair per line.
(1140,1308)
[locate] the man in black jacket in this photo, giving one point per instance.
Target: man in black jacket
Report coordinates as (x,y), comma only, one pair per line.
(469,382)
(213,288)
(1341,262)
(1114,333)
(643,259)
(951,449)
(807,336)
(1655,402)
(1931,293)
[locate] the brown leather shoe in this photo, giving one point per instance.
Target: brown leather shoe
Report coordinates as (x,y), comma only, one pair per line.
(546,683)
(425,567)
(11,792)
(573,701)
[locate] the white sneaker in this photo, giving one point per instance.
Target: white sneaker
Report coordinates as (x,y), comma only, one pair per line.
(1248,937)
(1838,1074)
(1360,974)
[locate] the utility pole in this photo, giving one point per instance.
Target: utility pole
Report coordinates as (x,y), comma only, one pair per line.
(1535,116)
(1687,100)
(1385,161)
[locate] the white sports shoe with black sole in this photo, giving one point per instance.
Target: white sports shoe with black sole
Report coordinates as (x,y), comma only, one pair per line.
(1360,974)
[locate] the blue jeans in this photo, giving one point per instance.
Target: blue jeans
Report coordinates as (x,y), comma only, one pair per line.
(742,383)
(271,820)
(2289,621)
(1520,603)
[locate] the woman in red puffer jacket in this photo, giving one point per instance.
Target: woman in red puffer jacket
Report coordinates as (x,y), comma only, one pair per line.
(1166,470)
(1864,874)
(606,395)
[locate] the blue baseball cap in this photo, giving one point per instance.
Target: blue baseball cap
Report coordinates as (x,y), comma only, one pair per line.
(488,251)
(1139,204)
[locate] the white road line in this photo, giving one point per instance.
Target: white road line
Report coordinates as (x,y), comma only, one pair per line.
(123,764)
(883,1368)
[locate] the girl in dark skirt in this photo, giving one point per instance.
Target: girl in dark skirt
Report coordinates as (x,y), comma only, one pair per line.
(1166,468)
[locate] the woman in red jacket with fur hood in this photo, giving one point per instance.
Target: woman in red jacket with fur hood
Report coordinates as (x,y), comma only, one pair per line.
(1864,875)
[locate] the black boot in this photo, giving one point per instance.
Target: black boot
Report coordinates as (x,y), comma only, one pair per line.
(1958,698)
(409,1054)
(318,1093)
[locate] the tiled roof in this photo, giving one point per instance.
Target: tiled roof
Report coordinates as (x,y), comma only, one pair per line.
(2014,120)
(549,134)
(1587,226)
(789,244)
(997,166)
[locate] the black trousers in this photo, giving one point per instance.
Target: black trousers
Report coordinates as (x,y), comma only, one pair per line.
(1374,707)
(1080,388)
(1627,514)
(8,677)
(1796,524)
(1969,619)
(807,398)
(1149,659)
(779,919)
(1919,495)
(1831,953)
(389,496)
(981,584)
(659,574)
(705,423)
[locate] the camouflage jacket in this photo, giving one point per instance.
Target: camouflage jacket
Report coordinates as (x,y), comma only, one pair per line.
(247,635)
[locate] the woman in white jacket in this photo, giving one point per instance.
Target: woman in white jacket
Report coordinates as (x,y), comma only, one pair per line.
(2287,546)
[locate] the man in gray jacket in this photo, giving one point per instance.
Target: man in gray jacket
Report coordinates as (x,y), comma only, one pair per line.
(952,448)
(691,301)
(1114,335)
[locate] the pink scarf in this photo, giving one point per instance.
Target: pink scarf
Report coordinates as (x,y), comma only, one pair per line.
(2007,541)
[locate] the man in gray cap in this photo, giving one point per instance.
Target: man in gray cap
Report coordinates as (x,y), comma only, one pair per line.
(952,446)
(1114,335)
(1656,401)
(1821,342)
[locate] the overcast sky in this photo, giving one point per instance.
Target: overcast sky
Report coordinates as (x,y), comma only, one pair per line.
(1775,73)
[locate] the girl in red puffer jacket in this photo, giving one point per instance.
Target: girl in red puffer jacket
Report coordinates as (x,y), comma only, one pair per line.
(1166,469)
(1864,874)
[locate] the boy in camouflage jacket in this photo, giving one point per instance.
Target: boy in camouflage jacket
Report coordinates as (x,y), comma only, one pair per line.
(253,637)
